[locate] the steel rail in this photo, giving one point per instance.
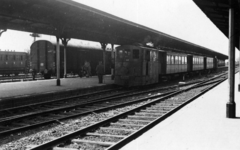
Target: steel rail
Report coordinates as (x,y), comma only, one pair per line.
(58,100)
(110,97)
(2,133)
(136,134)
(57,141)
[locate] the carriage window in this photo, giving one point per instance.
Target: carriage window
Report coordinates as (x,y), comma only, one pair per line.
(176,59)
(183,60)
(147,55)
(168,59)
(180,60)
(127,52)
(135,54)
(120,54)
(172,59)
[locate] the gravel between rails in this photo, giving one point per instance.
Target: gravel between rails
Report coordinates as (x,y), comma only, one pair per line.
(38,136)
(110,129)
(41,135)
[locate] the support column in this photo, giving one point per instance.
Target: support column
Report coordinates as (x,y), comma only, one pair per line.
(239,66)
(104,45)
(231,106)
(64,42)
(58,62)
(113,63)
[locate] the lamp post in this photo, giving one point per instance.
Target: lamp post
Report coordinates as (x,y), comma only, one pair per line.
(34,35)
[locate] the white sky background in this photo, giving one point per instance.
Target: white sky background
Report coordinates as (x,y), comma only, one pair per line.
(179,18)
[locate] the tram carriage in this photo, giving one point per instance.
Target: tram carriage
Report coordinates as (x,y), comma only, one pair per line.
(138,65)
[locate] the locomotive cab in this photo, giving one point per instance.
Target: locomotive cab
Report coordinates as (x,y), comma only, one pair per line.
(136,65)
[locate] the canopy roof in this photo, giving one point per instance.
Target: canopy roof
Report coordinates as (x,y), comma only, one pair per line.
(66,18)
(218,12)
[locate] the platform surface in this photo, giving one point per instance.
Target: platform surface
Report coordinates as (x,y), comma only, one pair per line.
(200,125)
(16,89)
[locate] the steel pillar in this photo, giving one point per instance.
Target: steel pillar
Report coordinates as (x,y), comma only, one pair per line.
(239,67)
(104,45)
(113,62)
(231,106)
(65,42)
(58,62)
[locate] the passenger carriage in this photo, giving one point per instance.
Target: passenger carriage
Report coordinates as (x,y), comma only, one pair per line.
(12,62)
(138,65)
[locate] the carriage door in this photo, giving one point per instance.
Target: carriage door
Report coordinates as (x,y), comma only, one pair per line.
(189,63)
(147,60)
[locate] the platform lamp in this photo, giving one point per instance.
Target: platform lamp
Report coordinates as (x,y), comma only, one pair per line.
(34,35)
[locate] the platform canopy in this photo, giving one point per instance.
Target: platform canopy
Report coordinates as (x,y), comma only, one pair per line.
(66,18)
(218,12)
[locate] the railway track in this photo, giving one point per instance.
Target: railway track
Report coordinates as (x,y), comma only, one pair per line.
(114,132)
(35,115)
(29,123)
(56,102)
(74,100)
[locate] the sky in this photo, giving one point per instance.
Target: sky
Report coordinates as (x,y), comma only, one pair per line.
(179,18)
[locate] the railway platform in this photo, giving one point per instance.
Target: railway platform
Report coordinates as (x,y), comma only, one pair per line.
(200,125)
(16,90)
